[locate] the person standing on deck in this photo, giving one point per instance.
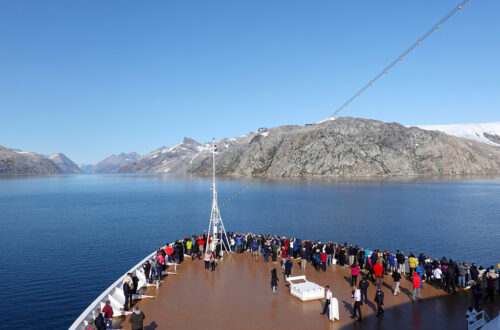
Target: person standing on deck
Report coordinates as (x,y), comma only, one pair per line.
(201,244)
(351,252)
(400,258)
(413,263)
(288,267)
(137,319)
(147,270)
(329,254)
(303,258)
(438,274)
(274,280)
(254,246)
(378,270)
(323,261)
(354,273)
(213,262)
(107,310)
(361,258)
(462,272)
(379,299)
(206,259)
(363,286)
(356,303)
(396,277)
(127,294)
(451,278)
(328,296)
(99,320)
(417,284)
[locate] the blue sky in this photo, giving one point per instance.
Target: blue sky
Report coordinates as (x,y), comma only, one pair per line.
(93,78)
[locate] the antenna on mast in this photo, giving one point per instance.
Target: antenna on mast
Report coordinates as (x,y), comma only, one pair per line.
(216,231)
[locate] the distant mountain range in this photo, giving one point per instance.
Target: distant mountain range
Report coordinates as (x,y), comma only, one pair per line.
(16,162)
(111,164)
(341,147)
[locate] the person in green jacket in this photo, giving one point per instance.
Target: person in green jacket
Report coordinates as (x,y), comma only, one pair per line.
(137,319)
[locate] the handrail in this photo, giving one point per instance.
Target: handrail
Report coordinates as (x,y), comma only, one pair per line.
(87,313)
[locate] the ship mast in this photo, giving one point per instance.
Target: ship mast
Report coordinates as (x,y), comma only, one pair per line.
(216,231)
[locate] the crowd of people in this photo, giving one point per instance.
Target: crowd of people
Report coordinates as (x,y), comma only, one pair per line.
(370,265)
(364,264)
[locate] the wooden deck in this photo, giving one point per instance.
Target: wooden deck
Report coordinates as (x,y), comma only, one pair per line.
(238,296)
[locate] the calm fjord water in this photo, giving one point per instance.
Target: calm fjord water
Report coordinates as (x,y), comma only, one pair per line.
(64,239)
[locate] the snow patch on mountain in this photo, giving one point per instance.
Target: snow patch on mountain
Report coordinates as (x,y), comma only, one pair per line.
(488,133)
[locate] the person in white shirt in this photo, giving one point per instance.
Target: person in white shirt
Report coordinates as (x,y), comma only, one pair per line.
(328,295)
(438,274)
(356,298)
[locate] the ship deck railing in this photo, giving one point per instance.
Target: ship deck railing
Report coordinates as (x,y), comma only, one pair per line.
(114,293)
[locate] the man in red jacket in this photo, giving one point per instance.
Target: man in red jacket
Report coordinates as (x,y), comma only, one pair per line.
(378,270)
(417,284)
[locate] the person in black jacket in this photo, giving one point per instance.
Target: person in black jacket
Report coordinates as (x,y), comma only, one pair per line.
(474,273)
(363,286)
(99,321)
(379,299)
(147,269)
(451,275)
(274,280)
(127,294)
(361,258)
(396,276)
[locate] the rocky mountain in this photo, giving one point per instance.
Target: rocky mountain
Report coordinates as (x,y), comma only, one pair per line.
(488,133)
(64,164)
(344,147)
(114,162)
(16,162)
(165,159)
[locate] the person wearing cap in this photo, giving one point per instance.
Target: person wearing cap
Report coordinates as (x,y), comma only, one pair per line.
(379,299)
